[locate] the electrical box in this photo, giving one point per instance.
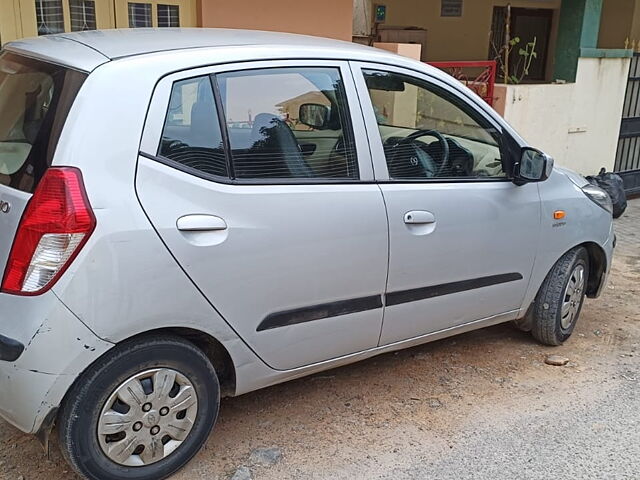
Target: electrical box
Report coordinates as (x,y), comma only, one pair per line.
(380,13)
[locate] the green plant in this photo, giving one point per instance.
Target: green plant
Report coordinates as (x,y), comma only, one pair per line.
(518,72)
(526,56)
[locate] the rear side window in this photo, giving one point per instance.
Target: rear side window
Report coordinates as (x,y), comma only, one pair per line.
(192,133)
(288,123)
(35,98)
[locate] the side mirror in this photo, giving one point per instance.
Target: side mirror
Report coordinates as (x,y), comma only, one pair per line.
(534,166)
(314,115)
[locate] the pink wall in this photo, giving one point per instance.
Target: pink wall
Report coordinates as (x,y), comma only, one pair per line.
(326,18)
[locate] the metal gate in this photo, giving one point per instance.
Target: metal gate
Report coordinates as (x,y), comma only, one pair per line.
(628,154)
(478,76)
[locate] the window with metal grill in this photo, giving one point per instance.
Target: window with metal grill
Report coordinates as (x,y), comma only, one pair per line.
(192,133)
(83,15)
(140,15)
(168,16)
(451,8)
(288,123)
(49,17)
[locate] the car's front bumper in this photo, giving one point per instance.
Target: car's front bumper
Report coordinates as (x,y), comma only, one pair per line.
(43,357)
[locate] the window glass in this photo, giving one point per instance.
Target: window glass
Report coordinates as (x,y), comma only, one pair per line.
(49,16)
(192,133)
(139,15)
(83,15)
(451,8)
(429,134)
(288,123)
(35,98)
(168,16)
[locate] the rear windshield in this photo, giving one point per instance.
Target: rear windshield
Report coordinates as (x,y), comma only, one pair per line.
(35,98)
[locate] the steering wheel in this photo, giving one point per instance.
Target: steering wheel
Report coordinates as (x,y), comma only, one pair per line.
(410,140)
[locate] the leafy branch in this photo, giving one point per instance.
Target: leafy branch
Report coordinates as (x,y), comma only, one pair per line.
(526,54)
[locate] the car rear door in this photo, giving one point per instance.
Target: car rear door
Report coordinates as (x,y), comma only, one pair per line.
(288,245)
(463,237)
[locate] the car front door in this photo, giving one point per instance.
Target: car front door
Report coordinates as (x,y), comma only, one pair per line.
(274,216)
(462,236)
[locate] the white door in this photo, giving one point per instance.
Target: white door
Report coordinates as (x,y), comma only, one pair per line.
(463,237)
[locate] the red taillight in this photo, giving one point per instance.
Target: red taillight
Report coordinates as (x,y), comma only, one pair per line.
(55,225)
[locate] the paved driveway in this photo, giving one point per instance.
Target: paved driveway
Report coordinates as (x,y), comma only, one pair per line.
(483,405)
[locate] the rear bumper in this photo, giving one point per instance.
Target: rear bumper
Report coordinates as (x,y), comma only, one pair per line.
(54,349)
(22,396)
(10,349)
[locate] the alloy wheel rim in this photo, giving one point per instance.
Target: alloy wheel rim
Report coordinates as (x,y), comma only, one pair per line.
(572,297)
(147,417)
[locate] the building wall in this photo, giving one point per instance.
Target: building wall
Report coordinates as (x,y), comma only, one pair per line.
(456,38)
(616,23)
(576,123)
(327,18)
(18,17)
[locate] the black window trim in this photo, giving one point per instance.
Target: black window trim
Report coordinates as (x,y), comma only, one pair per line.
(222,119)
(231,180)
(247,181)
(496,131)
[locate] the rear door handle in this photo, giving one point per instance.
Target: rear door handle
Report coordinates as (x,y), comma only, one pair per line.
(200,223)
(419,217)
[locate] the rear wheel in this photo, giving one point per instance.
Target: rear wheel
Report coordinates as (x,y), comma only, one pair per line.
(140,413)
(557,306)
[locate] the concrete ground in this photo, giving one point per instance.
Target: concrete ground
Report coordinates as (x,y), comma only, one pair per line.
(483,405)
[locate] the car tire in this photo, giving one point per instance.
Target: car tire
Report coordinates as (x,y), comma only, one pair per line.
(557,306)
(127,398)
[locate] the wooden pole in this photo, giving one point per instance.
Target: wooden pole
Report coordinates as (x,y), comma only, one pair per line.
(507,41)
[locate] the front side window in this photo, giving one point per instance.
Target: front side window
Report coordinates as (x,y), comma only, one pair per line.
(192,133)
(49,17)
(139,15)
(427,133)
(83,15)
(288,123)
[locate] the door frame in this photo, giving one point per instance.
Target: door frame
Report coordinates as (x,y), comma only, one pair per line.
(547,13)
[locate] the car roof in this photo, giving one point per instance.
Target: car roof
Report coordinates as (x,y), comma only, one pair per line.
(87,50)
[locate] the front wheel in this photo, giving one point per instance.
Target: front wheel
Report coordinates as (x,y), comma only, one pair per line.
(142,412)
(557,306)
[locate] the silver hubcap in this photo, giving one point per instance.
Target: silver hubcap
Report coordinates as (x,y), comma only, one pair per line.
(572,297)
(147,417)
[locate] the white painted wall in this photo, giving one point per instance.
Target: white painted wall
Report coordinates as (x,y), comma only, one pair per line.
(577,123)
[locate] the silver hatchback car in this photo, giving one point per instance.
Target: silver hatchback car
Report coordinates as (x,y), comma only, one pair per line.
(186,214)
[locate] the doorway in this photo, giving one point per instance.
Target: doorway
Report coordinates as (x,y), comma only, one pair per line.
(526,24)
